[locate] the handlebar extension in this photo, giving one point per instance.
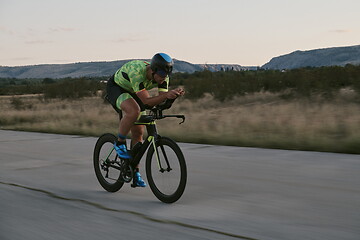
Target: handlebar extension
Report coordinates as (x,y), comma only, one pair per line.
(157,110)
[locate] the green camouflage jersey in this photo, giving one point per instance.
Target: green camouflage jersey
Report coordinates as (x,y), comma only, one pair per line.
(132,77)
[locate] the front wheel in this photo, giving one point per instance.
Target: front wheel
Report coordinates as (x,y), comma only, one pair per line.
(166,170)
(107,163)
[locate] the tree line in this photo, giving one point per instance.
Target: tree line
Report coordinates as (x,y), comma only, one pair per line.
(67,88)
(304,82)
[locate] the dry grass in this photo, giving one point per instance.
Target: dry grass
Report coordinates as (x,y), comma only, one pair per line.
(265,121)
(261,120)
(84,117)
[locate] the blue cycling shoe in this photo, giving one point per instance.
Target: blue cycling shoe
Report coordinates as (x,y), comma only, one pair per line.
(122,151)
(138,181)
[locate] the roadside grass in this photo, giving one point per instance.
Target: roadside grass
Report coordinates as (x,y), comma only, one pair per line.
(88,116)
(259,120)
(264,120)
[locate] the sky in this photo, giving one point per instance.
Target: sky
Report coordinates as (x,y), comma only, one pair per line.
(245,32)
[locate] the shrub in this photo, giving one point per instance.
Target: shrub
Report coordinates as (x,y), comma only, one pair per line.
(71,89)
(17,103)
(304,82)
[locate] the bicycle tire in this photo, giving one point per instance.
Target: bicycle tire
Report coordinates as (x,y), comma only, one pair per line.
(103,147)
(157,178)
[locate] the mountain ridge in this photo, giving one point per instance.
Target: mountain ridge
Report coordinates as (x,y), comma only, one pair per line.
(98,69)
(335,56)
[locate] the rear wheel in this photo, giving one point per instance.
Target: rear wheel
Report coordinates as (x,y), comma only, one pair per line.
(166,170)
(106,162)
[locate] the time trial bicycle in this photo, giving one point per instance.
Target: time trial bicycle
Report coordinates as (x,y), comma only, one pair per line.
(165,163)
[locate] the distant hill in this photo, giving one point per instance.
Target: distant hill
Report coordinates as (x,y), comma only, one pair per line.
(97,69)
(337,56)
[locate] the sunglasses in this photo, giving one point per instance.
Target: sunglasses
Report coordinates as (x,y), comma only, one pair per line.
(162,73)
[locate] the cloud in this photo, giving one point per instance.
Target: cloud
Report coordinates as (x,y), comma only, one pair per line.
(16,61)
(340,31)
(130,39)
(6,30)
(20,58)
(62,29)
(38,42)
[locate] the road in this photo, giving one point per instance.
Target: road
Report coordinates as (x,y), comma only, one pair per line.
(48,190)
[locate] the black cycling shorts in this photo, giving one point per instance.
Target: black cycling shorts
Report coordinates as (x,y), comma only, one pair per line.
(113,92)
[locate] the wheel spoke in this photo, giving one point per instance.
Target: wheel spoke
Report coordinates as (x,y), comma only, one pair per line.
(107,172)
(168,184)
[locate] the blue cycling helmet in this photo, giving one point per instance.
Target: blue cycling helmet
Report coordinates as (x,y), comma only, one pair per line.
(162,63)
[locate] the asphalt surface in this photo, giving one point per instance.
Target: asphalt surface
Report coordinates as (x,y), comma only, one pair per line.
(48,190)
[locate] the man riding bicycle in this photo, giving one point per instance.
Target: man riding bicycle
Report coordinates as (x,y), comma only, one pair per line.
(127,91)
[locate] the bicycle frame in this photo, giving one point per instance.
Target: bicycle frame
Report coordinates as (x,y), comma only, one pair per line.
(153,137)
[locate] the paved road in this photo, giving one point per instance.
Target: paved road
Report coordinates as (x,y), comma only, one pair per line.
(48,190)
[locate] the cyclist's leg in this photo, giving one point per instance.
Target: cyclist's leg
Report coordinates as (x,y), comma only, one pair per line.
(132,106)
(131,112)
(124,104)
(137,133)
(116,96)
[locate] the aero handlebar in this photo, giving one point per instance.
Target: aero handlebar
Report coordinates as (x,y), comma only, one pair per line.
(157,110)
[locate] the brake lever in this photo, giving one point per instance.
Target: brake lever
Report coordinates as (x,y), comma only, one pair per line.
(183,119)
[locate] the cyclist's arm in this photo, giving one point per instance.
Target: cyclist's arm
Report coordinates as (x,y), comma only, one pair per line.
(152,101)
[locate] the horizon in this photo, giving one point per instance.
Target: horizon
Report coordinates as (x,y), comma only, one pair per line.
(246,33)
(104,61)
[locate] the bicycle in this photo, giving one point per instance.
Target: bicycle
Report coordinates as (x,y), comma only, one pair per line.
(165,164)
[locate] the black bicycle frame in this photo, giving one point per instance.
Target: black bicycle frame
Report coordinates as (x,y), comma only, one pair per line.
(151,138)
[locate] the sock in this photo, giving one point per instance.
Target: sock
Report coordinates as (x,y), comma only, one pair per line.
(122,139)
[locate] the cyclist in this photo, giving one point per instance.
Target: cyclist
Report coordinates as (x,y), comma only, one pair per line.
(127,91)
